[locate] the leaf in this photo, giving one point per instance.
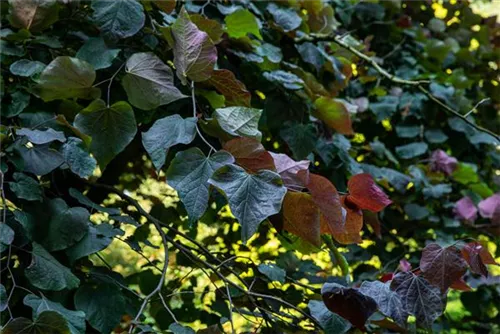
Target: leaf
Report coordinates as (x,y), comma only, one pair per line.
(194,53)
(465,209)
(78,159)
(330,322)
(252,197)
(40,159)
(47,322)
(412,150)
(415,211)
(98,238)
(407,131)
(66,226)
(286,79)
(75,319)
(273,272)
(42,137)
(389,302)
(250,154)
(442,162)
(240,121)
(26,188)
(489,206)
(442,266)
(242,22)
(26,68)
(288,169)
(212,27)
(156,143)
(286,18)
(301,217)
(436,191)
(82,199)
(349,303)
(111,128)
(46,273)
(189,172)
(311,55)
(96,53)
(118,19)
(103,305)
(33,15)
(300,138)
(6,237)
(3,298)
(365,194)
(477,256)
(435,136)
(176,328)
(334,114)
(352,226)
(464,174)
(234,91)
(67,77)
(419,297)
(149,83)
(19,102)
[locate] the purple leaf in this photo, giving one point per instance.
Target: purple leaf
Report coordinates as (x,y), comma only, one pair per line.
(489,206)
(442,162)
(465,209)
(288,168)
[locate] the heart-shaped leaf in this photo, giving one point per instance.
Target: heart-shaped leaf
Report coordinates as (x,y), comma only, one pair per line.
(301,216)
(240,121)
(250,154)
(118,19)
(388,301)
(234,91)
(365,194)
(334,114)
(442,266)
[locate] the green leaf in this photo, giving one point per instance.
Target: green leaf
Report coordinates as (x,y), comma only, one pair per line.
(334,113)
(189,172)
(10,49)
(67,77)
(6,236)
(242,22)
(482,189)
(385,107)
(286,79)
(240,121)
(273,272)
(47,322)
(435,136)
(437,191)
(407,131)
(286,18)
(82,199)
(412,150)
(40,159)
(103,305)
(98,238)
(415,211)
(252,197)
(465,174)
(75,319)
(331,323)
(149,83)
(179,329)
(3,298)
(96,53)
(33,15)
(179,130)
(194,52)
(20,101)
(78,159)
(66,226)
(26,188)
(46,273)
(26,67)
(42,137)
(311,55)
(111,128)
(300,138)
(118,19)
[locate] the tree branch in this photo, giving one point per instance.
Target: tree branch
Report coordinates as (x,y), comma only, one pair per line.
(415,83)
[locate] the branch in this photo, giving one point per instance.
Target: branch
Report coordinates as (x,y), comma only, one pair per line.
(415,83)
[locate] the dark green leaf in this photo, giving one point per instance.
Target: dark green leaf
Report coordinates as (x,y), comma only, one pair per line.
(273,272)
(240,121)
(26,188)
(286,18)
(98,238)
(82,199)
(435,136)
(412,150)
(118,19)
(176,328)
(78,159)
(301,138)
(437,191)
(331,322)
(385,107)
(286,79)
(47,322)
(42,137)
(3,298)
(96,53)
(26,67)
(20,101)
(415,211)
(40,159)
(407,131)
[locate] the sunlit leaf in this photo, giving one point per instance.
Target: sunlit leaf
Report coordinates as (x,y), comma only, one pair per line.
(365,194)
(301,216)
(240,121)
(240,23)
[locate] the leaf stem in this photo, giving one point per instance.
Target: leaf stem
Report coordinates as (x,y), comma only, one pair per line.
(111,82)
(193,98)
(341,261)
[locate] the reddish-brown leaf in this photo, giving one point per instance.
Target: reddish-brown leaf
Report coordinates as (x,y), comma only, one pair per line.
(334,113)
(365,194)
(326,197)
(234,91)
(442,266)
(460,285)
(165,5)
(288,169)
(477,256)
(302,217)
(352,227)
(349,303)
(250,154)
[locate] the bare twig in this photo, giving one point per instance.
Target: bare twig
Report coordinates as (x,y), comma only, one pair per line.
(475,107)
(193,98)
(416,83)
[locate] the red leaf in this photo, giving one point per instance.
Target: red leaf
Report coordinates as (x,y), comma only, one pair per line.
(250,154)
(234,91)
(386,277)
(366,194)
(288,170)
(352,227)
(477,256)
(302,217)
(442,266)
(326,197)
(349,303)
(460,285)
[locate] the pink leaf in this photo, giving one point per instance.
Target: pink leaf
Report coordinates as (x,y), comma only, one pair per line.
(288,168)
(442,162)
(488,206)
(465,209)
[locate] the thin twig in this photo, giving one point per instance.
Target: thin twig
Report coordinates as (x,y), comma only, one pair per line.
(193,98)
(475,107)
(230,308)
(111,82)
